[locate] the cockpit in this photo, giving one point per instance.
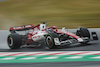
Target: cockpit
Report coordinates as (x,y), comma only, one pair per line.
(49,30)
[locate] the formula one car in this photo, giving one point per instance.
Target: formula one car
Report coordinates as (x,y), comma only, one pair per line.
(51,36)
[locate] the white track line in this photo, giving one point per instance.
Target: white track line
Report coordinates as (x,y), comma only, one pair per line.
(50,58)
(9,58)
(28,58)
(74,57)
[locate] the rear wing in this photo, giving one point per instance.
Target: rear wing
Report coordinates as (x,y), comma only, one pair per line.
(21,28)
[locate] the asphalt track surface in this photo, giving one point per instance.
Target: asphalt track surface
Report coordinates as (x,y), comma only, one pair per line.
(91,46)
(54,64)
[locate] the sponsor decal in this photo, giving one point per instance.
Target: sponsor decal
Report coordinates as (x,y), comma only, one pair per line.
(36,36)
(28,26)
(17,28)
(57,42)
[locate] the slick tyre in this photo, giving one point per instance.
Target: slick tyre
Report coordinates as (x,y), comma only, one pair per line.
(83,32)
(14,41)
(50,40)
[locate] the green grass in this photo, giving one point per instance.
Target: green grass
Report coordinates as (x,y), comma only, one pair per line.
(67,13)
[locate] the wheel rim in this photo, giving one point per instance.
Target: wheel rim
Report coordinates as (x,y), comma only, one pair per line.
(49,40)
(10,41)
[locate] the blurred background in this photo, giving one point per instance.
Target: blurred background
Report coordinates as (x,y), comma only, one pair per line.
(61,13)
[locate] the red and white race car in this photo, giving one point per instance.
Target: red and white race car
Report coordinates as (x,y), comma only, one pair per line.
(50,36)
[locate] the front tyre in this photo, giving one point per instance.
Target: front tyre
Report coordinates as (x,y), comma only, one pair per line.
(50,40)
(84,33)
(14,41)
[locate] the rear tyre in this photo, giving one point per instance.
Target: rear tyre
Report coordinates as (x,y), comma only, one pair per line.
(14,41)
(50,40)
